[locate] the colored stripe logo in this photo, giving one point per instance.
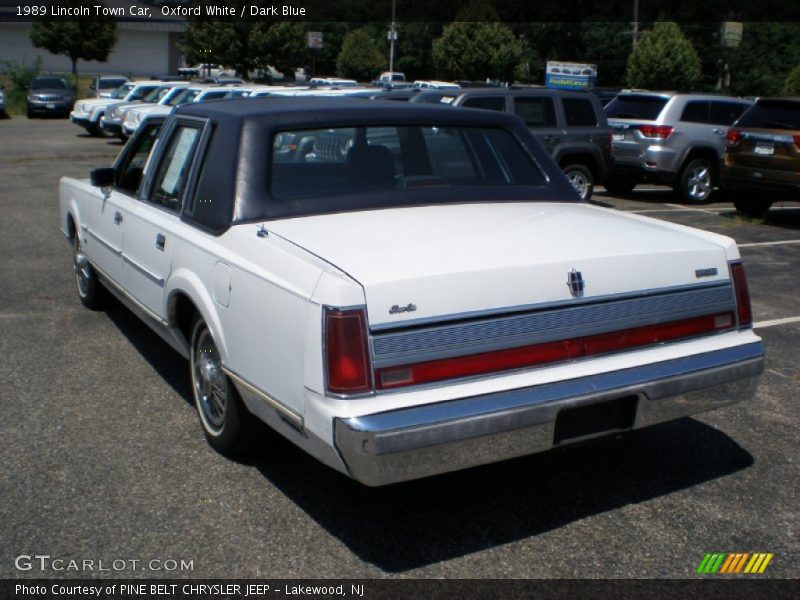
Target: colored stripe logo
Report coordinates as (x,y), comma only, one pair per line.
(732,563)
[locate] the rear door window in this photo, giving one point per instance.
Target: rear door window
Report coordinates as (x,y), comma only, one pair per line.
(536,112)
(635,106)
(579,112)
(173,172)
(497,103)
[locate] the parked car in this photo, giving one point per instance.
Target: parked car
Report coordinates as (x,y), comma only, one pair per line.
(415,304)
(761,164)
(333,82)
(436,85)
(671,139)
(49,95)
(570,125)
(88,112)
(111,122)
(103,87)
(391,80)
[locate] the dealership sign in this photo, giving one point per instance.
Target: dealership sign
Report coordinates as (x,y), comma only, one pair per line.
(570,76)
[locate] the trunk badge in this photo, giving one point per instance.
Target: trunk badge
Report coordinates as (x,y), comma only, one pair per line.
(396,309)
(575,283)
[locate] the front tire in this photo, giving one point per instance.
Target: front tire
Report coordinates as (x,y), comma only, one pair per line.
(227,424)
(696,181)
(90,291)
(754,209)
(581,178)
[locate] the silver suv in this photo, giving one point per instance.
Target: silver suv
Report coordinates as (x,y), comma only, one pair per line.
(670,138)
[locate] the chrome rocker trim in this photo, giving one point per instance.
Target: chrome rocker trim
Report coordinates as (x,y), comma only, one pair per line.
(416,442)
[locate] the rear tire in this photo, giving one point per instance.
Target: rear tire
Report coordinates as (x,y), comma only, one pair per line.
(753,209)
(90,291)
(619,186)
(696,181)
(228,426)
(581,178)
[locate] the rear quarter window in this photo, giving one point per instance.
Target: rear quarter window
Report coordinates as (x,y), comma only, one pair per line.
(696,111)
(497,103)
(536,112)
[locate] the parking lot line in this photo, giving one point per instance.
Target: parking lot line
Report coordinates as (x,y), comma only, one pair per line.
(773,322)
(776,243)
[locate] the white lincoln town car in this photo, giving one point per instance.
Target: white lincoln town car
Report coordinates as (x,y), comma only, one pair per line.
(404,290)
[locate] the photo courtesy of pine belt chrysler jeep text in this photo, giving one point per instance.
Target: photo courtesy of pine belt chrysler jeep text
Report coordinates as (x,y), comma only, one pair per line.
(404,289)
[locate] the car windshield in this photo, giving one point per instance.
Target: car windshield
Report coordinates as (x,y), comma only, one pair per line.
(156,95)
(772,114)
(365,160)
(122,90)
(48,83)
(110,84)
(630,106)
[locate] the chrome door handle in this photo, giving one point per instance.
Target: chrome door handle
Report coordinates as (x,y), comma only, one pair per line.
(160,241)
(117,218)
(720,131)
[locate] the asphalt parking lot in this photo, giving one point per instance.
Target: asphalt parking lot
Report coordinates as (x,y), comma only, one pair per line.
(103,456)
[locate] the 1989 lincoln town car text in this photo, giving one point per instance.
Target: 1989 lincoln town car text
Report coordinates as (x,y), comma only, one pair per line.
(404,290)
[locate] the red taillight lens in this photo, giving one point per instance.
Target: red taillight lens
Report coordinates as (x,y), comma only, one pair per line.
(346,352)
(661,132)
(743,310)
(526,356)
(733,136)
(796,139)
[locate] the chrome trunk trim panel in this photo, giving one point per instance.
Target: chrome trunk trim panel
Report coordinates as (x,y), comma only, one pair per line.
(566,321)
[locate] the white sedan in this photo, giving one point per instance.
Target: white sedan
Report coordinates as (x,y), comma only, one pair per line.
(404,290)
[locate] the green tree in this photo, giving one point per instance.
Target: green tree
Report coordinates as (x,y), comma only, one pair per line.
(663,60)
(757,69)
(477,50)
(86,39)
(240,44)
(791,87)
(360,57)
(286,47)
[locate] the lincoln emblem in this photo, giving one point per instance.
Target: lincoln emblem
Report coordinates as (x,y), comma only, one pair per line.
(575,283)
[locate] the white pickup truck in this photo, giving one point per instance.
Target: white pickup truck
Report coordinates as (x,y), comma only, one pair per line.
(404,290)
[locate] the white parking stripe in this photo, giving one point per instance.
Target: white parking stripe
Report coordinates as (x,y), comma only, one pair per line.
(778,243)
(773,322)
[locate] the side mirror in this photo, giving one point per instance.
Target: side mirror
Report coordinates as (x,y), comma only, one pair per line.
(102,177)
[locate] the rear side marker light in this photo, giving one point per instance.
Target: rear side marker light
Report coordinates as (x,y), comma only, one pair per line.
(346,352)
(743,310)
(660,132)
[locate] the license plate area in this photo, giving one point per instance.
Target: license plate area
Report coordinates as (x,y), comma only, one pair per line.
(763,149)
(595,420)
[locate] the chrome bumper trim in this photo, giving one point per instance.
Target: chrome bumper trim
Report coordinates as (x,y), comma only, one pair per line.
(416,442)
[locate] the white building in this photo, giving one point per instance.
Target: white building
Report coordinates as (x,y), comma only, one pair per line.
(145,47)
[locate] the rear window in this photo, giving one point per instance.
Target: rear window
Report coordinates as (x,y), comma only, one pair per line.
(632,106)
(772,114)
(347,161)
(579,112)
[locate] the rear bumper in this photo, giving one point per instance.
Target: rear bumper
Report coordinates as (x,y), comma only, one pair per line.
(416,442)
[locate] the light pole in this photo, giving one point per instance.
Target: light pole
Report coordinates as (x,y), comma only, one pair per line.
(392,36)
(635,22)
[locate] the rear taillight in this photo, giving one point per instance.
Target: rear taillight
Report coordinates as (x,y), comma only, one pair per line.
(660,132)
(346,351)
(796,139)
(743,310)
(733,136)
(550,352)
